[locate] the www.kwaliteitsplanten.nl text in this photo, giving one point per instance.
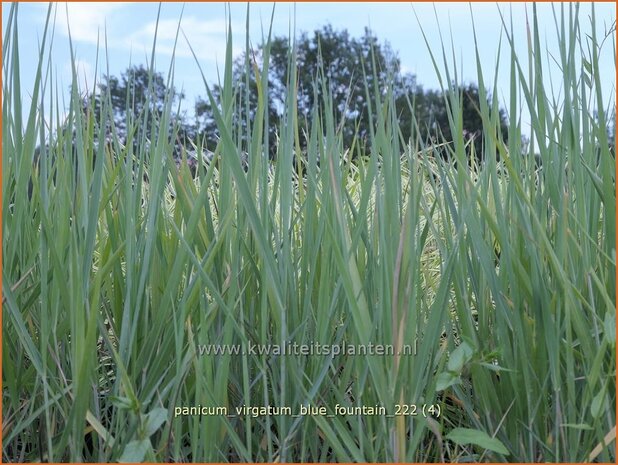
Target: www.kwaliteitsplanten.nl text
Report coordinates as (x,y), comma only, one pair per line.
(305,349)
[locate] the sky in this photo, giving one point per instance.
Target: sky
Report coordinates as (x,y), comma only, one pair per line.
(123,34)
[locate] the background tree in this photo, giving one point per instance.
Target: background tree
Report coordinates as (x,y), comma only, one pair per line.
(139,96)
(205,128)
(327,59)
(431,114)
(347,67)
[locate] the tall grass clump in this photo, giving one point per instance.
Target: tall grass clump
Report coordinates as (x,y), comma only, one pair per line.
(126,280)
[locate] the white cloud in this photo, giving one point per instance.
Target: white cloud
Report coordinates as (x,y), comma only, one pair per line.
(86,21)
(206,37)
(406,69)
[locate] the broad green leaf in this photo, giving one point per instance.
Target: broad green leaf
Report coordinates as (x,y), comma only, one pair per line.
(610,328)
(463,436)
(154,420)
(135,451)
(460,356)
(597,404)
(446,379)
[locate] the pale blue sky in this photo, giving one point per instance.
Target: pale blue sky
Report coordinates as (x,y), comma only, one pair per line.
(130,32)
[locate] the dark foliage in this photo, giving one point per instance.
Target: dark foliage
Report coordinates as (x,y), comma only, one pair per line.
(138,100)
(355,71)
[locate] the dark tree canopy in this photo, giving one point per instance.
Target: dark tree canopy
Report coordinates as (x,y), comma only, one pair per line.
(349,68)
(139,96)
(327,59)
(432,117)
